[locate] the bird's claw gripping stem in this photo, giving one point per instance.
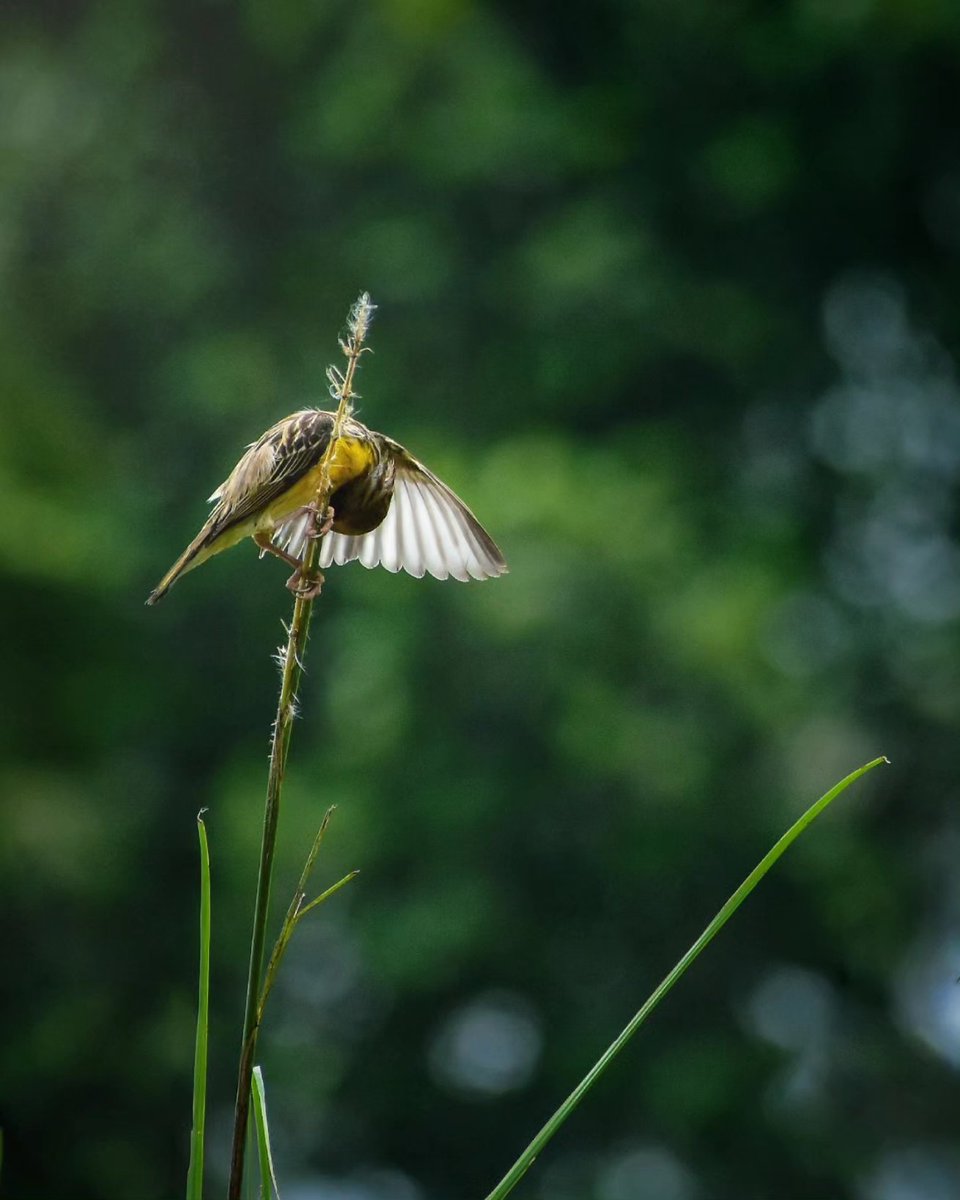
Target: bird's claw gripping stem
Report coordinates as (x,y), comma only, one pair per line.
(305,587)
(315,527)
(308,587)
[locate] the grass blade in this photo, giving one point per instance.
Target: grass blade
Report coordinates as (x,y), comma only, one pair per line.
(294,916)
(195,1172)
(526,1159)
(268,1178)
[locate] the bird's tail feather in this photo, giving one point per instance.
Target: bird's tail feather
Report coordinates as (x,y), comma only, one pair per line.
(190,558)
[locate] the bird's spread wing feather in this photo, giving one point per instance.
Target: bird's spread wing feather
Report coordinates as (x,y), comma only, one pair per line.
(271,465)
(427,530)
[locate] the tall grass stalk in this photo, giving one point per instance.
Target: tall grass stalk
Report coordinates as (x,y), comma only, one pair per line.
(341,389)
(197,1133)
(527,1158)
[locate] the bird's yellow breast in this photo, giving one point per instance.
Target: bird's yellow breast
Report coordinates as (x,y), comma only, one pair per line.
(351,458)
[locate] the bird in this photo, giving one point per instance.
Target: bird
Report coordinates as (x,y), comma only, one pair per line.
(385,508)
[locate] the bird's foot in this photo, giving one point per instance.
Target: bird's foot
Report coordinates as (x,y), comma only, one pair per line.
(305,587)
(315,527)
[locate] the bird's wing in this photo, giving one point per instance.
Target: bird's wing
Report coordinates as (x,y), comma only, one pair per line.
(271,465)
(427,530)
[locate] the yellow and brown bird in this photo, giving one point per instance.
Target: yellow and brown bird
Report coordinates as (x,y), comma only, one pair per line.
(388,509)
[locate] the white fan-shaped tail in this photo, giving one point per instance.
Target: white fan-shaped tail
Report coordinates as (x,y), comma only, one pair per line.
(427,530)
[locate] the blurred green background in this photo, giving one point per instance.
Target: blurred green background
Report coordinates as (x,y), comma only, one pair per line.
(670,292)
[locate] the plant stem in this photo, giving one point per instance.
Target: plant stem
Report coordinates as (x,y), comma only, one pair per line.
(292,672)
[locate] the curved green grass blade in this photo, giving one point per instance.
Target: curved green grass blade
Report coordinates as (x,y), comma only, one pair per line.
(526,1159)
(268,1178)
(195,1172)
